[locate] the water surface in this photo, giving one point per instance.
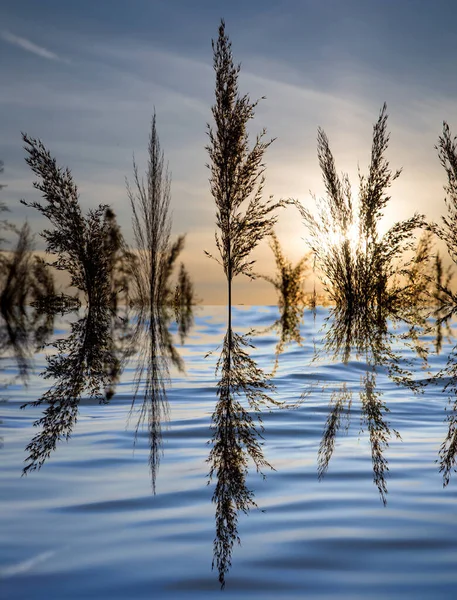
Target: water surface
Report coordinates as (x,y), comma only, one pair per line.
(123,510)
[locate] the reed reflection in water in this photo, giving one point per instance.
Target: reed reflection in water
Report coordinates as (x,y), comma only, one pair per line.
(86,364)
(237,439)
(369,337)
(156,352)
(446,378)
(358,354)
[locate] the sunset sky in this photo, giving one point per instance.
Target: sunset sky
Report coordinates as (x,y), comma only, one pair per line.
(85,76)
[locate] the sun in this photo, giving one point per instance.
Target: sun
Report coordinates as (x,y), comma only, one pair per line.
(336,238)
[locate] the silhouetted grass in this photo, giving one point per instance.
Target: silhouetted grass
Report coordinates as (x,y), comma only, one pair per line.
(24,278)
(447,153)
(288,279)
(339,412)
(447,378)
(447,456)
(21,334)
(150,203)
(87,246)
(183,302)
(16,272)
(243,219)
(415,290)
(442,293)
(57,303)
(237,171)
(446,298)
(358,265)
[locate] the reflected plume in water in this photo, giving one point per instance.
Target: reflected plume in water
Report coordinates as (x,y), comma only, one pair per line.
(24,331)
(86,365)
(156,353)
(447,457)
(288,281)
(367,337)
(287,328)
(237,438)
(26,280)
(16,339)
(184,316)
(339,412)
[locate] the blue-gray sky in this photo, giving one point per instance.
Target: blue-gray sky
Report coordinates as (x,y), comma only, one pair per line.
(85,76)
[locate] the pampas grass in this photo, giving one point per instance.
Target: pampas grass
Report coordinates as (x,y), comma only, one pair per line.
(357,263)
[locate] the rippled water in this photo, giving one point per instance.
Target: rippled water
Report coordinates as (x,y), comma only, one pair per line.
(88,525)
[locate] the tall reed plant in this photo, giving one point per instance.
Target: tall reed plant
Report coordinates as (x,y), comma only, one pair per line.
(243,217)
(150,203)
(87,246)
(288,279)
(357,263)
(447,229)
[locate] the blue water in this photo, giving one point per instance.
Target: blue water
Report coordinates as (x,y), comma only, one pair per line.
(89,525)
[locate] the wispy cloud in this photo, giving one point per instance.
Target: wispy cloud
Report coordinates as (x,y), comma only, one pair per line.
(26,565)
(28,46)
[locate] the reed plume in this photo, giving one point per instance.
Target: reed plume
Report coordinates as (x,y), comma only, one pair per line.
(447,153)
(357,263)
(288,282)
(87,246)
(150,203)
(366,338)
(288,279)
(183,303)
(237,171)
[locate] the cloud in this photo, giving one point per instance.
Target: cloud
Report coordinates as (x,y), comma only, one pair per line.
(29,46)
(26,565)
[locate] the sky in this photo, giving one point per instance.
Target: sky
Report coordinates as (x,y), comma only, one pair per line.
(85,78)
